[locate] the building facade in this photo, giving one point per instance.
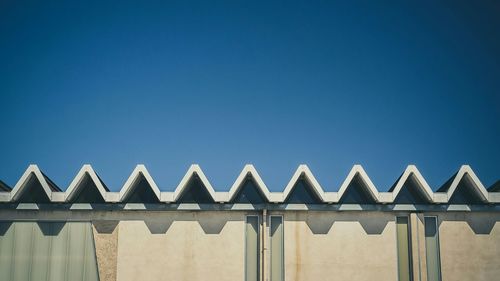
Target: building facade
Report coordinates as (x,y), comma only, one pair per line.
(248,233)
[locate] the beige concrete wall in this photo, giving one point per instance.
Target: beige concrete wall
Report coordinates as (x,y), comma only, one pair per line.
(182,246)
(340,246)
(106,246)
(470,246)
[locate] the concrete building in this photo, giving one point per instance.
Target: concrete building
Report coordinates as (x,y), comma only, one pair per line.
(249,233)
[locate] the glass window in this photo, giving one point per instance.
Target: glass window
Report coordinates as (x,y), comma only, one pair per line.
(432,249)
(47,251)
(403,245)
(277,249)
(252,249)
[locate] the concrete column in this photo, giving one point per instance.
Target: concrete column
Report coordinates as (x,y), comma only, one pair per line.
(418,247)
(264,242)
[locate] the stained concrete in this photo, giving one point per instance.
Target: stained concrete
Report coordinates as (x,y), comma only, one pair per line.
(340,246)
(106,245)
(470,246)
(183,246)
(346,245)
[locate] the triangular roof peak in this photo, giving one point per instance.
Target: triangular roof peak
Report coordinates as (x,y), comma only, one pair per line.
(422,185)
(194,170)
(138,172)
(247,171)
(75,185)
(357,170)
(33,170)
(304,172)
(466,173)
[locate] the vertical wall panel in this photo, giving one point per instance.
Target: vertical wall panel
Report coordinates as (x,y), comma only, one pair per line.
(277,255)
(404,267)
(22,251)
(76,251)
(252,249)
(432,249)
(41,248)
(47,251)
(6,250)
(58,251)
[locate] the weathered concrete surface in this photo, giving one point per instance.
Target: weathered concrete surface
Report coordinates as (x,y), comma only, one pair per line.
(183,246)
(106,246)
(340,246)
(470,246)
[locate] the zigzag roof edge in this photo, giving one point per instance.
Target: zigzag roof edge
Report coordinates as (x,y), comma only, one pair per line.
(422,183)
(74,186)
(18,189)
(193,170)
(139,170)
(303,170)
(368,184)
(248,170)
(466,170)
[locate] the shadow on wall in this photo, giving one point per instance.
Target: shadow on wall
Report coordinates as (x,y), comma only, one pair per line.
(214,222)
(105,227)
(210,222)
(51,228)
(4,226)
(322,222)
(479,223)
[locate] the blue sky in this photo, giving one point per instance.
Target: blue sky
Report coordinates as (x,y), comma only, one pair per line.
(329,84)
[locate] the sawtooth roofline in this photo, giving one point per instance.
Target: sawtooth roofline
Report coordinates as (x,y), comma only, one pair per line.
(465,174)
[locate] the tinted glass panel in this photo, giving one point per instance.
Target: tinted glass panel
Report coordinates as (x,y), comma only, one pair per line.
(47,251)
(252,249)
(277,258)
(432,249)
(404,268)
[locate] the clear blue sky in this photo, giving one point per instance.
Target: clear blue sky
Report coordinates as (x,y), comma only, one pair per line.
(275,84)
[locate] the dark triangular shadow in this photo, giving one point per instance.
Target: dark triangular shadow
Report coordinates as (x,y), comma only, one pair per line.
(249,193)
(212,224)
(373,226)
(106,227)
(195,192)
(4,226)
(495,187)
(302,193)
(33,192)
(357,193)
(4,187)
(51,228)
(482,223)
(464,194)
(87,192)
(50,183)
(447,184)
(141,192)
(410,193)
(320,225)
(157,226)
